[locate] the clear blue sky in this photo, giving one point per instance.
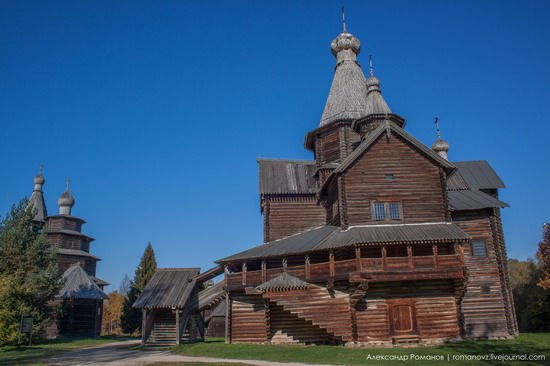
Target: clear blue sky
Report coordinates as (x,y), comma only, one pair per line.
(157,110)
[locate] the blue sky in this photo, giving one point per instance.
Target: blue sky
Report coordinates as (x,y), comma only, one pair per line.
(158,110)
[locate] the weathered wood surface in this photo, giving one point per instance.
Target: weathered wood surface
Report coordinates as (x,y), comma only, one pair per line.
(484,314)
(329,310)
(249,322)
(416,184)
(288,215)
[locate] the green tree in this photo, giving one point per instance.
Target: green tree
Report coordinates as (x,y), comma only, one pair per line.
(29,276)
(543,256)
(131,317)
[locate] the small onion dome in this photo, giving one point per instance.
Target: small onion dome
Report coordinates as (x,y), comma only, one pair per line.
(39,179)
(345,41)
(440,145)
(373,84)
(66,199)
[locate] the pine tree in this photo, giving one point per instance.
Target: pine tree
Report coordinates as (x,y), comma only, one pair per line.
(131,317)
(29,275)
(543,255)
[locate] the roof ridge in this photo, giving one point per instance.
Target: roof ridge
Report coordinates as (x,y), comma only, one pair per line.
(286,160)
(179,269)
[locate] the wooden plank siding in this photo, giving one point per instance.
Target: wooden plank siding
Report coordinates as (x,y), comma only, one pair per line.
(288,215)
(483,306)
(249,322)
(416,183)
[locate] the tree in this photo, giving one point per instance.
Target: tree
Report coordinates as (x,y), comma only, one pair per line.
(131,317)
(29,276)
(112,312)
(543,256)
(125,285)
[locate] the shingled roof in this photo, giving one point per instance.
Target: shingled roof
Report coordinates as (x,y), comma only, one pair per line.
(168,288)
(79,285)
(331,237)
(283,282)
(347,98)
(279,176)
(464,186)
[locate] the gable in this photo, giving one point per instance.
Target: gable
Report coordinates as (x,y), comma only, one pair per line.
(393,170)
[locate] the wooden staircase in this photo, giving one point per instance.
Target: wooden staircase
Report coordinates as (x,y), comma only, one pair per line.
(164,331)
(330,312)
(405,339)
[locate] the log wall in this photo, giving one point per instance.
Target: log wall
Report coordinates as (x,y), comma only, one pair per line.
(288,215)
(483,306)
(248,319)
(416,183)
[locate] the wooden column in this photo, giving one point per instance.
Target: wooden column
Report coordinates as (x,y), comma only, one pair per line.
(358,258)
(285,264)
(410,256)
(178,335)
(143,326)
(331,262)
(384,263)
(244,273)
(227,318)
(264,274)
(434,248)
(307,267)
(461,251)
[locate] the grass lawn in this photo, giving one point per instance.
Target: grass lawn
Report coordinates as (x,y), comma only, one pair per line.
(451,354)
(35,355)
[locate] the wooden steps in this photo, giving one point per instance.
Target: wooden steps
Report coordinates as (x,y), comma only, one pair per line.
(405,339)
(316,305)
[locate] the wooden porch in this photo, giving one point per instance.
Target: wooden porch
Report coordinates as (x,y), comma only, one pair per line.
(392,263)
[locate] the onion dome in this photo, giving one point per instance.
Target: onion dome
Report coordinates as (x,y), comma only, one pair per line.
(65,201)
(376,104)
(36,201)
(440,146)
(39,179)
(347,96)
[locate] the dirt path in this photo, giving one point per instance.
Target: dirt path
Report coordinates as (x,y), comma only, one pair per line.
(118,354)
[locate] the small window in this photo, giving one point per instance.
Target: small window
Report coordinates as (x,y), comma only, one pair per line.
(485,288)
(383,211)
(478,248)
(395,210)
(379,211)
(389,177)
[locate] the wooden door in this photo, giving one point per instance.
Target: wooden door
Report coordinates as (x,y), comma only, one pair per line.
(402,319)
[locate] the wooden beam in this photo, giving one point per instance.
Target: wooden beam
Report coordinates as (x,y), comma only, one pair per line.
(307,267)
(384,264)
(244,274)
(143,326)
(410,256)
(227,318)
(178,335)
(285,262)
(358,258)
(435,250)
(264,273)
(331,262)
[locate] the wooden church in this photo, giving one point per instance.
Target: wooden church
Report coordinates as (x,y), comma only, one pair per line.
(81,297)
(379,239)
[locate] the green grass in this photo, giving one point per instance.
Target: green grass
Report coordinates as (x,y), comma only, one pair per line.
(527,343)
(37,353)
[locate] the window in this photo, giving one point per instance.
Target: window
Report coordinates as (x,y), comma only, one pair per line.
(395,210)
(383,211)
(478,248)
(379,211)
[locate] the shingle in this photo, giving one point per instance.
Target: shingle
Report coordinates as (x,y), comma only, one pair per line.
(284,281)
(79,285)
(279,176)
(211,295)
(472,200)
(331,237)
(479,175)
(168,288)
